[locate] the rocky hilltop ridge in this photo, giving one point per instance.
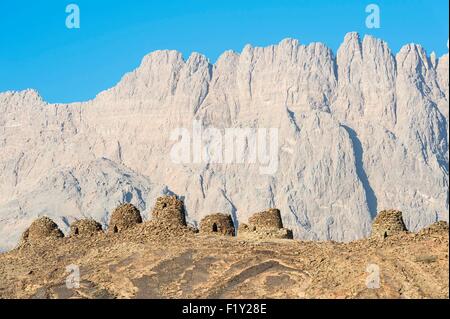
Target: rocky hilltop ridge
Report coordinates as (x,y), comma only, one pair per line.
(166,258)
(359,131)
(169,212)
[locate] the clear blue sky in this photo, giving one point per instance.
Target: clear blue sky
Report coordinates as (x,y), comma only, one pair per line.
(38,51)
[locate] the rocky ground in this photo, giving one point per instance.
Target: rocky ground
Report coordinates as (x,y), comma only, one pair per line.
(163,261)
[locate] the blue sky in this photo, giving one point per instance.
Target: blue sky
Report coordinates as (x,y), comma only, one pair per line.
(38,51)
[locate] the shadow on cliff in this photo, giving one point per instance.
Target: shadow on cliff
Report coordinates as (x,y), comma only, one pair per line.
(371,198)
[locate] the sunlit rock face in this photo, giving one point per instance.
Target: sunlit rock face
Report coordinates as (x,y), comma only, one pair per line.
(359,131)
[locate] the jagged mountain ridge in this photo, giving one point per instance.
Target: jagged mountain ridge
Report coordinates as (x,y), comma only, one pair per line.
(359,132)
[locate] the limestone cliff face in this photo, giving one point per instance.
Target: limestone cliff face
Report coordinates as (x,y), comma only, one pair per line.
(359,132)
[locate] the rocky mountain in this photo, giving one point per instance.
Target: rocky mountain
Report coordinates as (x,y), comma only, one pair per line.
(358,132)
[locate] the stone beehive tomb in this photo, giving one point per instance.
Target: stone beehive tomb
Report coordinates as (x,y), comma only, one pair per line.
(265,225)
(169,210)
(218,224)
(85,228)
(270,219)
(42,229)
(440,227)
(123,217)
(388,223)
